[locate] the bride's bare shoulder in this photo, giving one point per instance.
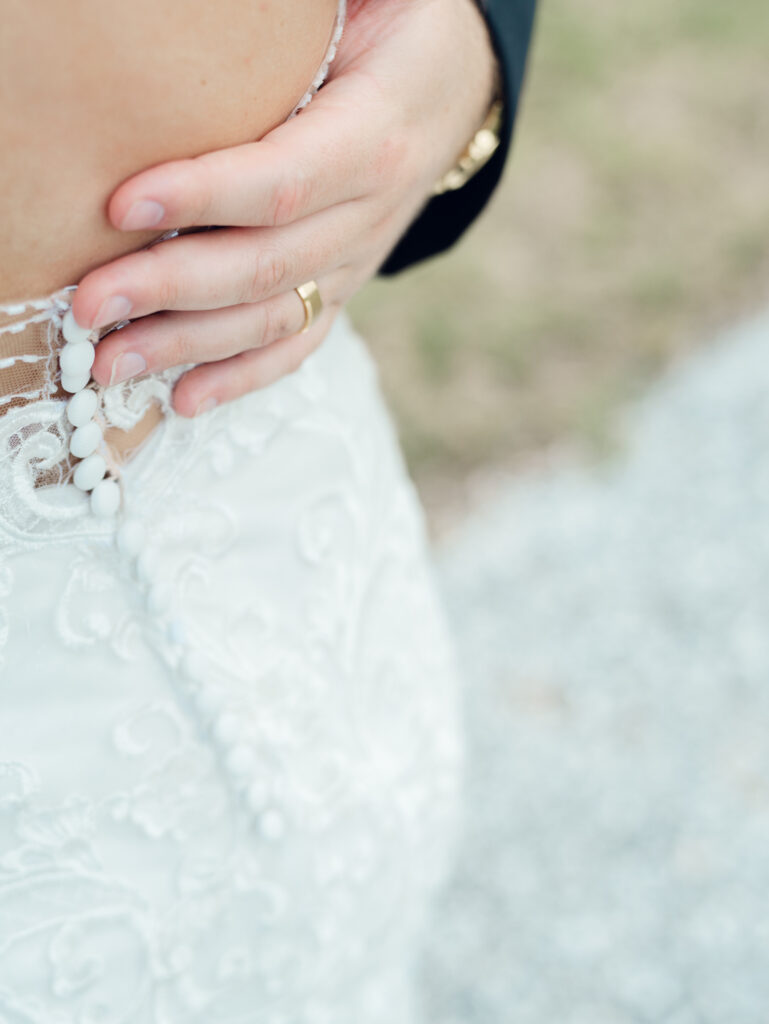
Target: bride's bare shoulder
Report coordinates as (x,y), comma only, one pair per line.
(95,90)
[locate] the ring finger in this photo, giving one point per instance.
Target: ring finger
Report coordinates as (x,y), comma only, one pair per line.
(158,342)
(203,387)
(216,269)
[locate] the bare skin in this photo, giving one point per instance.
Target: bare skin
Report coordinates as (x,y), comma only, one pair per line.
(93,91)
(324,197)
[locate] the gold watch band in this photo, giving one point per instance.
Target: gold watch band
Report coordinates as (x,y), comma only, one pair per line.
(480,150)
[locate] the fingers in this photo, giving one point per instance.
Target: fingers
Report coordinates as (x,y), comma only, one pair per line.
(159,342)
(204,387)
(220,268)
(313,161)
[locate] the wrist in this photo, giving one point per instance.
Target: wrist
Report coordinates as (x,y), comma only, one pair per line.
(487,132)
(489,68)
(477,153)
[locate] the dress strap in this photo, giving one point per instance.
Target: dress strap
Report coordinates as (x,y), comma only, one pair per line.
(328,60)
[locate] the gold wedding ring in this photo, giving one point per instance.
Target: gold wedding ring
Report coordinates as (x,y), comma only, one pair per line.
(313,304)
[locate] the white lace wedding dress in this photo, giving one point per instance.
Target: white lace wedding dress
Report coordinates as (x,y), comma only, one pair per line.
(228,740)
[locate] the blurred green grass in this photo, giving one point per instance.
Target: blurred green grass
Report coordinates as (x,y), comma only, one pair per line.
(632,223)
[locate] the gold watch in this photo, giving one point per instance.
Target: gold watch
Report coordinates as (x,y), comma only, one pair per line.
(479,151)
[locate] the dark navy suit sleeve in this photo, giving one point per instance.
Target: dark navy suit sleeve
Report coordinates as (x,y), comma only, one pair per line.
(446,217)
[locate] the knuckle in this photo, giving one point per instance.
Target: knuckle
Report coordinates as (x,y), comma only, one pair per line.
(195,186)
(275,324)
(290,198)
(269,274)
(392,156)
(162,338)
(167,291)
(266,328)
(178,348)
(161,288)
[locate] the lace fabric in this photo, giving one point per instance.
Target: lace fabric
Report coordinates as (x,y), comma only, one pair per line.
(34,431)
(229,748)
(36,466)
(229,751)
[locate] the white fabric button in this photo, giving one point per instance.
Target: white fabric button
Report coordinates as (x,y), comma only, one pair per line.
(81,407)
(160,598)
(75,360)
(272,825)
(145,565)
(240,760)
(227,728)
(74,384)
(176,632)
(130,538)
(105,498)
(89,472)
(194,665)
(85,439)
(72,330)
(257,796)
(209,700)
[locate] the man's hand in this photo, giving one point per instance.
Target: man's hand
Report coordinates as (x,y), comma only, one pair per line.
(325,196)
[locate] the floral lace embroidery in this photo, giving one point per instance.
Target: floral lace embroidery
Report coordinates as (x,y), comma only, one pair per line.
(35,432)
(228,761)
(228,743)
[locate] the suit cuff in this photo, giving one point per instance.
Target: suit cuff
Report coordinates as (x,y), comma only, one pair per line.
(446,218)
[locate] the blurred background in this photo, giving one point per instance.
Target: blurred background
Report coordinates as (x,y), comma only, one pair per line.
(582,389)
(632,224)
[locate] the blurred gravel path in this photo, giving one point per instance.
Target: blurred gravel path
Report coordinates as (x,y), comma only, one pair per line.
(614,627)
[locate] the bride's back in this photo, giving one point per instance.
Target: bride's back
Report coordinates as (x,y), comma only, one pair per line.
(92,91)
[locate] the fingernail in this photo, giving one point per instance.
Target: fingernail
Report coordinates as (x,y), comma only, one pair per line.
(206,405)
(129,364)
(117,307)
(145,213)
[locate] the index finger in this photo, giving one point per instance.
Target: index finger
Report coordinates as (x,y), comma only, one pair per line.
(318,159)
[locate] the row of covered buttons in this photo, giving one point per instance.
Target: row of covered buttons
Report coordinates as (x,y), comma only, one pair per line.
(225,721)
(75,361)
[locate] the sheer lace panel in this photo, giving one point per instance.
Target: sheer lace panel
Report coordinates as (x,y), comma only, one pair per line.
(33,403)
(28,345)
(229,752)
(36,431)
